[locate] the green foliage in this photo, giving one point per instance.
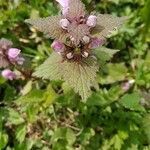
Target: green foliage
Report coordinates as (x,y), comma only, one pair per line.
(48,115)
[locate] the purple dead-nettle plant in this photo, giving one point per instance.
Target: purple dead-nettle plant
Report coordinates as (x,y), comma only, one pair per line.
(9,57)
(76,33)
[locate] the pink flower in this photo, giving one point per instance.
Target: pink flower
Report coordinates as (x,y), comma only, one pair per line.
(14,56)
(96,42)
(13,53)
(58,46)
(91,21)
(64,23)
(8,74)
(65,5)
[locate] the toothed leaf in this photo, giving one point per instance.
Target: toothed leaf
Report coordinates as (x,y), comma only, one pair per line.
(50,27)
(107,23)
(50,68)
(76,9)
(104,54)
(81,77)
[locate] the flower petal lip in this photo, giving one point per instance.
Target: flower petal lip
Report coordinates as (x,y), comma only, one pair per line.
(65,6)
(13,53)
(91,21)
(64,23)
(58,46)
(96,42)
(8,74)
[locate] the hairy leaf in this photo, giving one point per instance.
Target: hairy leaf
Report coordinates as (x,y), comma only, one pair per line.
(49,26)
(3,62)
(105,54)
(76,8)
(107,23)
(78,32)
(50,68)
(81,77)
(131,101)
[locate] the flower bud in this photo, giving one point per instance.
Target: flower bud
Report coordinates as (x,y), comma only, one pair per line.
(69,55)
(91,21)
(58,46)
(8,74)
(127,85)
(86,39)
(13,53)
(64,23)
(96,42)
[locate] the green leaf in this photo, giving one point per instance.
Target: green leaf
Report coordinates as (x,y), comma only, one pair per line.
(3,140)
(27,88)
(21,133)
(64,134)
(79,76)
(116,72)
(49,96)
(14,117)
(131,101)
(108,23)
(50,68)
(104,54)
(146,126)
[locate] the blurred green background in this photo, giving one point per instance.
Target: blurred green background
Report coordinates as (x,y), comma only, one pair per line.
(47,115)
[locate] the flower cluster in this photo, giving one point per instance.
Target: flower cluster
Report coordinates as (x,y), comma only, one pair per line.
(77,36)
(75,32)
(9,56)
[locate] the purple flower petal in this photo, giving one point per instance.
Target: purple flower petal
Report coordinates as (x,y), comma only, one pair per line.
(8,74)
(13,53)
(65,5)
(96,42)
(58,46)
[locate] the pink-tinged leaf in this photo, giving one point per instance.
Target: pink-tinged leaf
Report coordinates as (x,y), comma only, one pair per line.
(107,23)
(3,62)
(77,32)
(5,44)
(80,76)
(49,26)
(76,9)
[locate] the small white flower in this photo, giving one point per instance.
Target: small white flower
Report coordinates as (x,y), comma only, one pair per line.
(69,55)
(91,21)
(86,39)
(64,23)
(85,54)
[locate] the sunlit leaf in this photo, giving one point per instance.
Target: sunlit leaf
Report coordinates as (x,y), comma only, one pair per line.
(107,23)
(20,133)
(50,68)
(132,101)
